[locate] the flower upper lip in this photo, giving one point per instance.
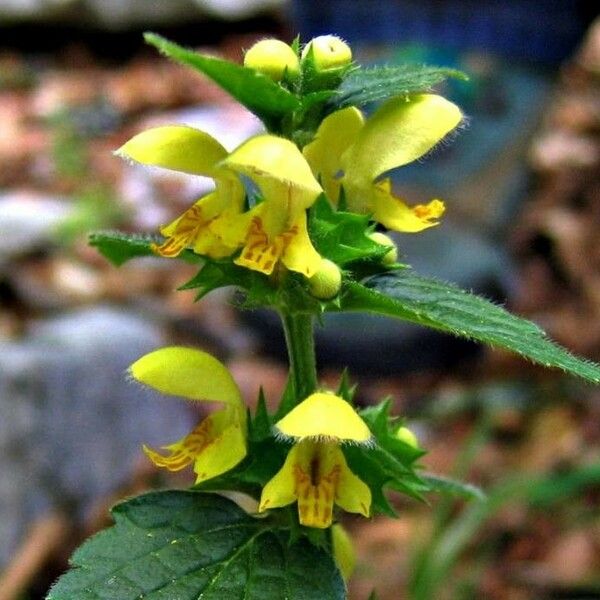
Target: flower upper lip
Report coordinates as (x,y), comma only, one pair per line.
(218,443)
(400,131)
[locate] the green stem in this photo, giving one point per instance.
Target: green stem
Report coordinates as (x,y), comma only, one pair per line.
(300,343)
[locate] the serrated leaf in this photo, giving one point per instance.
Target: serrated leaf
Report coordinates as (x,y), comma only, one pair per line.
(405,295)
(346,390)
(342,236)
(257,92)
(369,470)
(379,421)
(376,84)
(452,487)
(120,247)
(388,463)
(260,425)
(189,545)
(223,273)
(379,469)
(314,98)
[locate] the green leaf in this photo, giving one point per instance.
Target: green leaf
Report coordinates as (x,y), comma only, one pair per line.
(261,425)
(452,487)
(376,84)
(223,273)
(381,425)
(258,288)
(342,236)
(405,295)
(120,247)
(189,545)
(313,99)
(346,390)
(258,93)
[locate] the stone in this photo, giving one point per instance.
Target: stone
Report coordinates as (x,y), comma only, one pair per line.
(72,423)
(27,221)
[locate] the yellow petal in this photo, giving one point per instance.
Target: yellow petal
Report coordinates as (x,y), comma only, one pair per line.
(231,227)
(336,133)
(400,131)
(396,215)
(281,489)
(204,227)
(316,476)
(185,230)
(299,254)
(312,474)
(215,446)
(344,553)
(187,372)
(352,494)
(225,451)
(279,169)
(261,252)
(324,415)
(175,147)
(184,452)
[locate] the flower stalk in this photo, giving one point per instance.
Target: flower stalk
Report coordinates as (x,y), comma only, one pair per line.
(299,338)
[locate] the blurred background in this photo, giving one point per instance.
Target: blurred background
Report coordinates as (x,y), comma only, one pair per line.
(521,182)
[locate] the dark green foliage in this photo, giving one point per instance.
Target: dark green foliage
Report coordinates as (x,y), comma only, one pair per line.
(388,463)
(342,236)
(405,295)
(269,101)
(376,84)
(187,545)
(120,247)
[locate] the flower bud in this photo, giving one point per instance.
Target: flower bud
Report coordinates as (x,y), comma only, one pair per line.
(404,434)
(273,58)
(329,53)
(327,281)
(390,257)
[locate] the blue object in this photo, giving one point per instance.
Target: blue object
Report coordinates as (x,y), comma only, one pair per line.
(544,31)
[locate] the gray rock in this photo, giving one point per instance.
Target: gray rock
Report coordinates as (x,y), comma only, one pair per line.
(71,424)
(27,221)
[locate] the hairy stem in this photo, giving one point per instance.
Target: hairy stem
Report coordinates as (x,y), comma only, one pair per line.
(300,342)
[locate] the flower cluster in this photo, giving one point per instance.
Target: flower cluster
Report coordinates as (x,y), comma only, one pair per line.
(348,154)
(315,473)
(343,157)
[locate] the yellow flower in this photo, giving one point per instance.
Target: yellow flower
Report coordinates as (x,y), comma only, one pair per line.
(218,443)
(215,226)
(277,229)
(315,473)
(402,130)
(203,227)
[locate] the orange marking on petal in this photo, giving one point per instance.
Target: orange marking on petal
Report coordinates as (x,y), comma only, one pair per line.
(185,451)
(188,229)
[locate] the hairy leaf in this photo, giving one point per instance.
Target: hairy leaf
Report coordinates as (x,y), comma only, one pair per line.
(257,92)
(342,236)
(120,247)
(376,84)
(189,545)
(452,487)
(405,295)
